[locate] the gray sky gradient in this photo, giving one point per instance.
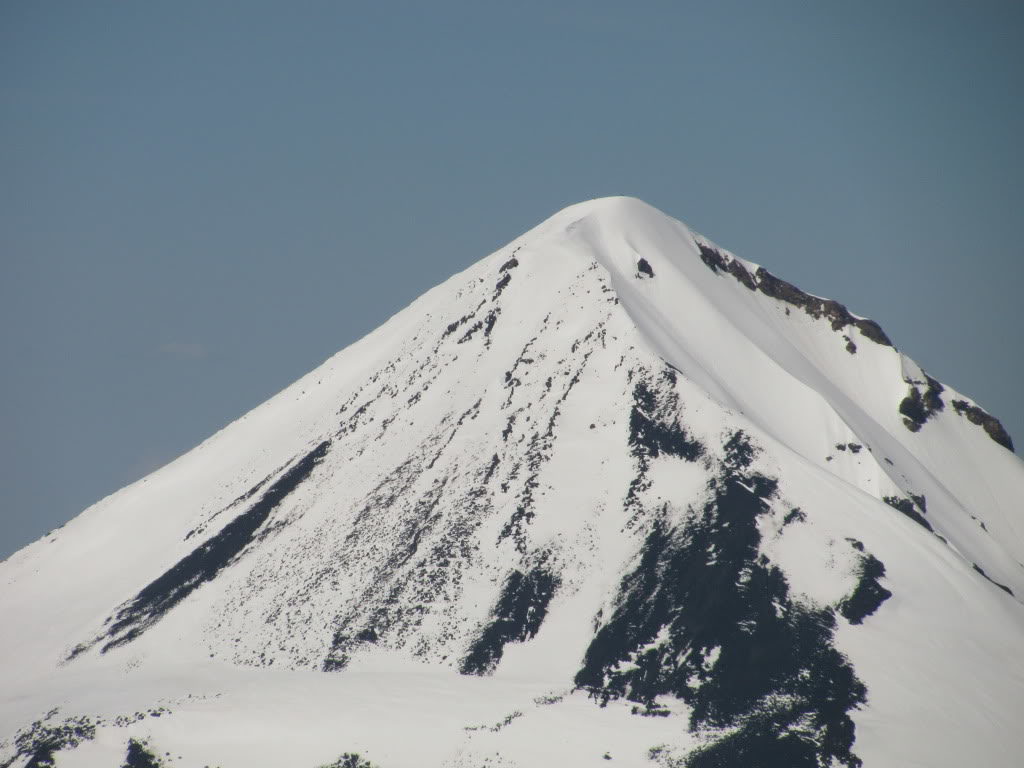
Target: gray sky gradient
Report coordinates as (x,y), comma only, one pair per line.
(201,201)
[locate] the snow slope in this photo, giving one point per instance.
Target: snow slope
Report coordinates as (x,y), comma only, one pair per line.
(611,490)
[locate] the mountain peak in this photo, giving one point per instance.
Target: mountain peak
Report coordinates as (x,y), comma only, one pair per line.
(623,209)
(611,491)
(605,223)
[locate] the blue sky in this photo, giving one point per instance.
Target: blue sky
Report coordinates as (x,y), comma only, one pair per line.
(201,201)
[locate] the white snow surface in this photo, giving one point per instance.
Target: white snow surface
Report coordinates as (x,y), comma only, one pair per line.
(483,430)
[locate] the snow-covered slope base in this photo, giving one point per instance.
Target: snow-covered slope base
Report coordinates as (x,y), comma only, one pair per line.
(610,495)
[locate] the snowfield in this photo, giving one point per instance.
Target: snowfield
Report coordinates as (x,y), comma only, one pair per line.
(610,496)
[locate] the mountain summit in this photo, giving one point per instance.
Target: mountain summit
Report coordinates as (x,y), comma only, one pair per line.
(610,494)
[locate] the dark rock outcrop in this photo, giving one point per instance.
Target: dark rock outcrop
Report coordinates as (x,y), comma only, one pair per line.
(770,285)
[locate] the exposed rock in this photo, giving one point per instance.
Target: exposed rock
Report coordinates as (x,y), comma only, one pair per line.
(917,408)
(989,423)
(517,617)
(906,506)
(706,618)
(205,562)
(139,756)
(1003,587)
(40,741)
(770,285)
(869,593)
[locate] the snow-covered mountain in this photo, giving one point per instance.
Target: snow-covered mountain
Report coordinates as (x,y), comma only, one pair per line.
(612,496)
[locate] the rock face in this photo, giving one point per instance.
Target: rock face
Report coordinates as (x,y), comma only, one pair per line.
(602,496)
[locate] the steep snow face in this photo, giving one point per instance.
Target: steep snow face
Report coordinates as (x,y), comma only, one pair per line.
(610,487)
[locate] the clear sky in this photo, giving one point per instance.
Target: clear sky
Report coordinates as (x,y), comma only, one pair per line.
(201,201)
